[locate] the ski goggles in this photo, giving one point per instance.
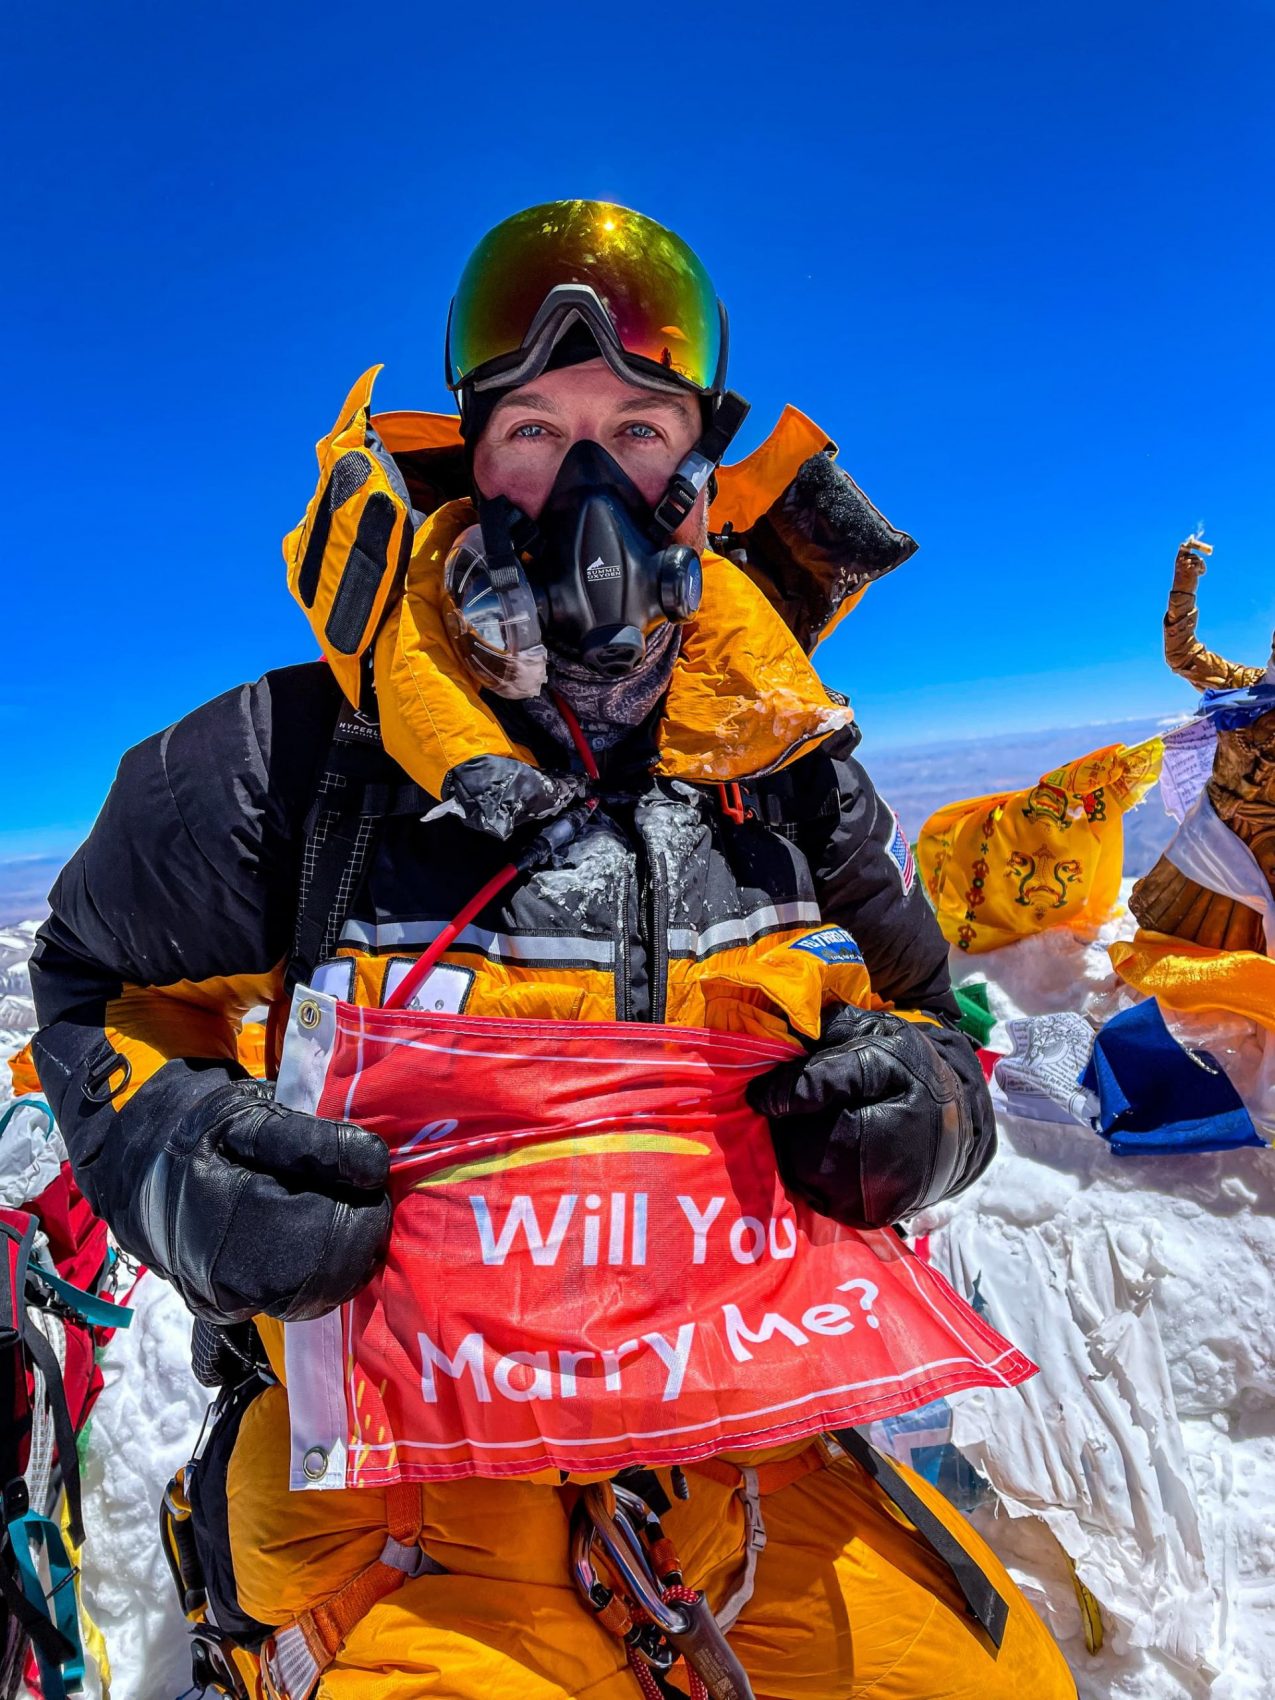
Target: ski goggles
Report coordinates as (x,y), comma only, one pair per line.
(642,293)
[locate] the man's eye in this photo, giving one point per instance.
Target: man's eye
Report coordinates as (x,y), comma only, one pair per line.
(637,429)
(530,431)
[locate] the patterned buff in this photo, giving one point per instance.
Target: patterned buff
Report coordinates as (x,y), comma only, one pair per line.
(607,709)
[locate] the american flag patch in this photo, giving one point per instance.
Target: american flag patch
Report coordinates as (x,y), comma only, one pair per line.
(900,853)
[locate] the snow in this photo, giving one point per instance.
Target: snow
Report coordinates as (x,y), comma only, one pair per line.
(144,1428)
(587,876)
(17,1012)
(1183,1363)
(1201,1232)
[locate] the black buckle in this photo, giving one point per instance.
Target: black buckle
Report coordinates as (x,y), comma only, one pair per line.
(212,1666)
(677,501)
(97,1086)
(643,1481)
(17,1500)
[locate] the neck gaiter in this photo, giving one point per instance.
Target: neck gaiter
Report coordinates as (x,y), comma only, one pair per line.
(606,708)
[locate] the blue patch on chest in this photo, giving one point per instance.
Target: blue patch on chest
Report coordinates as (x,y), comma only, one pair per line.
(829,944)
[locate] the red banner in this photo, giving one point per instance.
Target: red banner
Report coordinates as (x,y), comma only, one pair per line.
(593,1260)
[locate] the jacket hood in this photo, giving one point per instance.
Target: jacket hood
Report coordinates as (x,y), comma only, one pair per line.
(744,699)
(787,515)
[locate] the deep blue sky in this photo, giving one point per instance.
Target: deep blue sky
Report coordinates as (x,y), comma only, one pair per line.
(1016,259)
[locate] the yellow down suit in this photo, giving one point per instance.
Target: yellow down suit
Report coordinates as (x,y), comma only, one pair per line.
(177,918)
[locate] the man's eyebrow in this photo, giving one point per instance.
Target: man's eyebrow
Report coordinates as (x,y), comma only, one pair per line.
(657,401)
(527,398)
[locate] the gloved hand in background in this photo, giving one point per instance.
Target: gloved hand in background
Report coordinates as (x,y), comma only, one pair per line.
(885,1117)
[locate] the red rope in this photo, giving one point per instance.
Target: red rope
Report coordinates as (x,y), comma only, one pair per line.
(642,1671)
(645,1681)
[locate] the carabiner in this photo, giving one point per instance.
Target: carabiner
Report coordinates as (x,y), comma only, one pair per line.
(623,1547)
(637,1550)
(648,1642)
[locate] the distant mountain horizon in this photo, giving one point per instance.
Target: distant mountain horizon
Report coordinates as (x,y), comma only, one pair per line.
(25,882)
(915,778)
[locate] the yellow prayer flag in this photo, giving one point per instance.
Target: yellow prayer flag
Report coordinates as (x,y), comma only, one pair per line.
(1002,867)
(1187,976)
(94,1641)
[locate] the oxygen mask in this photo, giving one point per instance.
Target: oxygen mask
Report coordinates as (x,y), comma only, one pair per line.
(602,583)
(588,579)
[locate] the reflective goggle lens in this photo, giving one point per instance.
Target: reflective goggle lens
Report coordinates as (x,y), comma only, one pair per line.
(652,287)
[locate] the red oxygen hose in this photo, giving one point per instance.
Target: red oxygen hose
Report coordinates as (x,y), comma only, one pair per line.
(583,748)
(421,969)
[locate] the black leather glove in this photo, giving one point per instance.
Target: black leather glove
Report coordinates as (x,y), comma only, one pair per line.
(246,1206)
(885,1117)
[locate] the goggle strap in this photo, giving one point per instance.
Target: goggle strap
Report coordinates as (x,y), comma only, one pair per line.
(506,531)
(566,304)
(683,489)
(729,414)
(447,347)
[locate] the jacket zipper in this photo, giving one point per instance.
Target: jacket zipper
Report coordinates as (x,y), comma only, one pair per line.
(623,974)
(657,895)
(650,913)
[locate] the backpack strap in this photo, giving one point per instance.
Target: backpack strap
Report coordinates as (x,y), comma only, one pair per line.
(797,797)
(359,788)
(63,1672)
(45,1620)
(777,802)
(51,1646)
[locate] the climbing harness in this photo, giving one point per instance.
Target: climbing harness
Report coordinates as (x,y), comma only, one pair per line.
(296,1655)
